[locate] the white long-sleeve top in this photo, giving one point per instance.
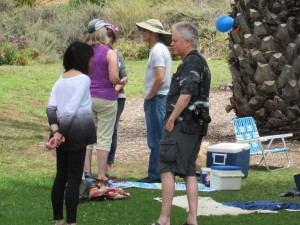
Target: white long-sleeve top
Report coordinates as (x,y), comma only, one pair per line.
(70,106)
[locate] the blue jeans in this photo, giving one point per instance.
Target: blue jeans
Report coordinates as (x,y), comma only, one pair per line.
(113,148)
(155,110)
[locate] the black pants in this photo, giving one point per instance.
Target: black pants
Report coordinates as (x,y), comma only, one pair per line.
(69,169)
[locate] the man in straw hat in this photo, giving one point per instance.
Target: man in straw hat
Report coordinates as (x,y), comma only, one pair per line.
(157,84)
(186,121)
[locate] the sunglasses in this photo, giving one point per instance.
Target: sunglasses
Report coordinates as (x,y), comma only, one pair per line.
(142,29)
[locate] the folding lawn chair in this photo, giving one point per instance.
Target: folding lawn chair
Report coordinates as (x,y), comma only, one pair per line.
(246,132)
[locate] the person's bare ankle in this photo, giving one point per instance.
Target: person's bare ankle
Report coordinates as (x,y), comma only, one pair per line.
(59,222)
(108,167)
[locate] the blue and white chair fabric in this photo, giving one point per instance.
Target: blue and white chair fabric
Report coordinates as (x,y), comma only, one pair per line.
(246,132)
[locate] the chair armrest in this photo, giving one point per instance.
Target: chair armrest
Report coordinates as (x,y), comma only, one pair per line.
(260,139)
(277,136)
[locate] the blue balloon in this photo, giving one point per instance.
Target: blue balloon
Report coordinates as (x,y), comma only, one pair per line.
(224,23)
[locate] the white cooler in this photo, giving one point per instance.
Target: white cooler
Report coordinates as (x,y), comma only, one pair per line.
(226,177)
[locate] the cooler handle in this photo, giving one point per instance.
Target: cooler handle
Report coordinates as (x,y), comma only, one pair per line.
(219,163)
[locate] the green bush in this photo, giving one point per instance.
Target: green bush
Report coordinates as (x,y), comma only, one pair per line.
(143,52)
(128,49)
(8,53)
(24,57)
(211,42)
(14,54)
(133,50)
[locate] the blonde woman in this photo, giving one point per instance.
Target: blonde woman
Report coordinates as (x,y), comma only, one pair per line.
(112,31)
(104,76)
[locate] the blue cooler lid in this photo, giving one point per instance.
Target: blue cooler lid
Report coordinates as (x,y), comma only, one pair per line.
(226,168)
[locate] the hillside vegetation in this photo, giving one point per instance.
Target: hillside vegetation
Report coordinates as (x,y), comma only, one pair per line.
(39,30)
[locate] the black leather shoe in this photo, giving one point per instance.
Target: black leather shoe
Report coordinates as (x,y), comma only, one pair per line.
(149,180)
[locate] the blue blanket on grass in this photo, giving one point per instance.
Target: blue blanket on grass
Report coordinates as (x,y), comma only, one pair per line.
(179,186)
(265,205)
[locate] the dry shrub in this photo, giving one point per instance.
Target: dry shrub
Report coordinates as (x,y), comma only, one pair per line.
(29,22)
(211,43)
(71,25)
(49,29)
(75,3)
(44,43)
(32,3)
(126,13)
(7,5)
(64,24)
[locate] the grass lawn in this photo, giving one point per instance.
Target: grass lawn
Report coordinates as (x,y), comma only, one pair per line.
(27,169)
(135,69)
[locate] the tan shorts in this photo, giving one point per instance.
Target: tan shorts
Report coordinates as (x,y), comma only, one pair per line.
(105,112)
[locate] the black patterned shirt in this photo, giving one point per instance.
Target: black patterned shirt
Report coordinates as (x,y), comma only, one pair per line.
(191,74)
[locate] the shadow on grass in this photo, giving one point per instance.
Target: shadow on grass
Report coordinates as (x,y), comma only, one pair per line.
(263,168)
(24,124)
(21,132)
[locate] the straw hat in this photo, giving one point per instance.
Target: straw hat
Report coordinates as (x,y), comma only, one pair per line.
(156,26)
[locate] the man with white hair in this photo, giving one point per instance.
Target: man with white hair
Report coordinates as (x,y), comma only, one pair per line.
(186,121)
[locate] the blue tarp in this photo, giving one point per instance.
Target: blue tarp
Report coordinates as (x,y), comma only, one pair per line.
(179,186)
(265,205)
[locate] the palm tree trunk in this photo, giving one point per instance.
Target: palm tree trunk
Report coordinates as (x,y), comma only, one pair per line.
(264,60)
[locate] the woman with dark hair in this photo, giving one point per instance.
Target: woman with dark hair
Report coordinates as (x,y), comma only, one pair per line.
(70,116)
(78,57)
